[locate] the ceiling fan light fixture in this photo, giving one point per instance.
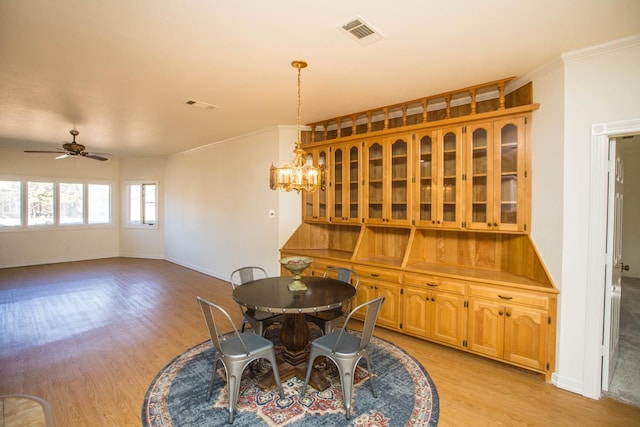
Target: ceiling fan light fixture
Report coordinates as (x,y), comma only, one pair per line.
(71,149)
(299,174)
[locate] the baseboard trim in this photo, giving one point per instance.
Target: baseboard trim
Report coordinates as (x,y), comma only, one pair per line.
(567,384)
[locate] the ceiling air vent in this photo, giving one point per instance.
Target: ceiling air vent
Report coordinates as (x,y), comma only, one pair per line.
(364,32)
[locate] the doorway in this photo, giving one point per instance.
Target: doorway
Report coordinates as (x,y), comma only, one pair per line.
(625,382)
(601,134)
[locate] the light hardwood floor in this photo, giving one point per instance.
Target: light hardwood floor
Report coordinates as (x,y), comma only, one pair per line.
(89,337)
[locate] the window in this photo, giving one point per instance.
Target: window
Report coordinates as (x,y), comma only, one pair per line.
(143,206)
(99,203)
(39,203)
(10,197)
(46,203)
(71,203)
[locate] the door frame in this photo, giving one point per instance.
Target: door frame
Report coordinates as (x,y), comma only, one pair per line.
(597,239)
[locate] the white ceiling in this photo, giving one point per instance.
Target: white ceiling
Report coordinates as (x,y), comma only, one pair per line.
(121,71)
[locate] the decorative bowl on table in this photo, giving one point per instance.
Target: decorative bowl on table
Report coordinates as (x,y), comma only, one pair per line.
(296,265)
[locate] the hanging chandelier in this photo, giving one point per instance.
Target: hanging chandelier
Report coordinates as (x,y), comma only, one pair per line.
(300,174)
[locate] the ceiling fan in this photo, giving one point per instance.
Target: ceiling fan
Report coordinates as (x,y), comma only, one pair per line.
(72,149)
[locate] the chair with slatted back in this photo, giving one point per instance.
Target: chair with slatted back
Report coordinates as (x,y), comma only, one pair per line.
(258,320)
(330,319)
(235,350)
(346,349)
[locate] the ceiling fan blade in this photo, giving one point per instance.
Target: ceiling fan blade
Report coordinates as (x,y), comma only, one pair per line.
(94,157)
(42,151)
(62,156)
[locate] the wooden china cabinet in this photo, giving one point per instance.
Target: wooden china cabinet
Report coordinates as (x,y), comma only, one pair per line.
(429,201)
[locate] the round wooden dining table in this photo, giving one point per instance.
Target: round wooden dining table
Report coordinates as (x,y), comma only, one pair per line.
(273,295)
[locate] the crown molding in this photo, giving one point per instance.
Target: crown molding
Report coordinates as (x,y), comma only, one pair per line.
(599,49)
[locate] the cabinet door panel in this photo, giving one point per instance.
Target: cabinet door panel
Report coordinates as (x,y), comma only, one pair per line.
(399,209)
(344,189)
(390,312)
(425,196)
(479,146)
(509,181)
(338,185)
(352,174)
(315,205)
(447,318)
(387,178)
(486,328)
(416,312)
(526,334)
(375,183)
(365,291)
(450,188)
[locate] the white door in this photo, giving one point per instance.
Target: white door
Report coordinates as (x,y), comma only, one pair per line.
(614,265)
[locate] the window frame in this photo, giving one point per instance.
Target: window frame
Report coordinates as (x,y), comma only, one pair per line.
(127,204)
(56,224)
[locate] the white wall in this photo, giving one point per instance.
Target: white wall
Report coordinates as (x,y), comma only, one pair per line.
(42,246)
(213,207)
(142,242)
(631,209)
(601,84)
(547,159)
(217,202)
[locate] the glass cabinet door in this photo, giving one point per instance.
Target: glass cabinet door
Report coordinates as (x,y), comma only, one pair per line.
(450,172)
(399,181)
(387,181)
(426,170)
(495,175)
(353,169)
(480,180)
(315,205)
(345,184)
(374,183)
(510,177)
(449,188)
(337,180)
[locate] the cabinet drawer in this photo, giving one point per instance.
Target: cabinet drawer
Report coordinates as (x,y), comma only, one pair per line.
(320,265)
(508,296)
(435,283)
(379,274)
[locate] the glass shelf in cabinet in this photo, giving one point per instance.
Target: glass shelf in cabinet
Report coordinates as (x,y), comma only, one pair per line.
(479,144)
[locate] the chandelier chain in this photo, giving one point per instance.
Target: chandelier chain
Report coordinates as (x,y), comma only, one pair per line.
(299,109)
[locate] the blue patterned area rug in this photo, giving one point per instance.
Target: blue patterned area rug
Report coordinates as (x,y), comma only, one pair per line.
(406,394)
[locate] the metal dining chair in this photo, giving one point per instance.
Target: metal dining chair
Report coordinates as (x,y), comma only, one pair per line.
(258,320)
(235,350)
(330,319)
(346,349)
